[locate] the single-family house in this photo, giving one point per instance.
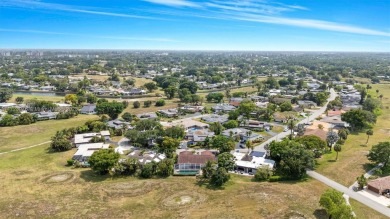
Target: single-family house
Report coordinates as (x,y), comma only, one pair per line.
(380,185)
(335,121)
(169,112)
(118,124)
(192,109)
(243,134)
(190,163)
(86,150)
(249,163)
(145,157)
(216,118)
(223,108)
(46,115)
(151,115)
(235,101)
(196,136)
(253,124)
(85,138)
(306,103)
(88,109)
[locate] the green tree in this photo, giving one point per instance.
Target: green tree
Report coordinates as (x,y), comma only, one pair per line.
(215,96)
(246,107)
(371,104)
(343,133)
(13,111)
(286,106)
(165,168)
(5,94)
(26,119)
(176,132)
(263,173)
(151,86)
(148,170)
(217,128)
(190,85)
(112,109)
(19,100)
(380,153)
(331,138)
(170,92)
(222,143)
(249,145)
(362,181)
(71,98)
(301,130)
(8,120)
(127,117)
(234,114)
(294,162)
(369,133)
(147,103)
(60,144)
(230,124)
(208,170)
(91,98)
(291,125)
(312,142)
(169,146)
(334,204)
(226,160)
(337,148)
(160,102)
(136,104)
(103,160)
(219,177)
(127,166)
(358,118)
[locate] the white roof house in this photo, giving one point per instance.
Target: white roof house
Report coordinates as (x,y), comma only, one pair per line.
(86,150)
(84,138)
(249,163)
(186,123)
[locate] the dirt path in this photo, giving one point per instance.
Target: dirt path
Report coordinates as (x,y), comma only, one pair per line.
(19,149)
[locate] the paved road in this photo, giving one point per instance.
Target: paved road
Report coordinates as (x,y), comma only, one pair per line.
(358,197)
(310,118)
(19,149)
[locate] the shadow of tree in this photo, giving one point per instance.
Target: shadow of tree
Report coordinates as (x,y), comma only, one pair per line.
(320,214)
(91,176)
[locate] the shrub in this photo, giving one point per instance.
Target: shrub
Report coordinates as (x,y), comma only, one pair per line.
(160,102)
(147,103)
(263,173)
(275,178)
(70,162)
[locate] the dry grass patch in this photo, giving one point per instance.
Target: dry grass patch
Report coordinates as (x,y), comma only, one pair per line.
(352,160)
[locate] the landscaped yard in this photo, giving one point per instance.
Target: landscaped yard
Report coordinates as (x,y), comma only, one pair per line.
(26,135)
(39,185)
(352,160)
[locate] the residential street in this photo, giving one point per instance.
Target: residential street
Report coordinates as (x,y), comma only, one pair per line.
(312,117)
(358,197)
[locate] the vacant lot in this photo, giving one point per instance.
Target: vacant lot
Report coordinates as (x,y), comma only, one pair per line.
(36,184)
(27,135)
(352,160)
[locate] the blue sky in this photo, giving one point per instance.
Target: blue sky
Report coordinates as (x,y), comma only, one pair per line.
(262,25)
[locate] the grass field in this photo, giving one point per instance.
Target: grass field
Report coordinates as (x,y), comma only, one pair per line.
(352,160)
(38,185)
(27,135)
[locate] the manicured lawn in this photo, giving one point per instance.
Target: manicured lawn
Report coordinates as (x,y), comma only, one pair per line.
(168,105)
(39,97)
(27,135)
(38,184)
(352,160)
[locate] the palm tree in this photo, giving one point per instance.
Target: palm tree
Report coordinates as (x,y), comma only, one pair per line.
(249,145)
(369,132)
(337,148)
(377,91)
(381,96)
(291,125)
(331,138)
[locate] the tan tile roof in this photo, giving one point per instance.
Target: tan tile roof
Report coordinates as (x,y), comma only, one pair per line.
(380,183)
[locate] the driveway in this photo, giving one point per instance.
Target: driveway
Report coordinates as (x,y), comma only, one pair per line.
(355,195)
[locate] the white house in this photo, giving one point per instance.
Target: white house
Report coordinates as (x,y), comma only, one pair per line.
(249,163)
(86,150)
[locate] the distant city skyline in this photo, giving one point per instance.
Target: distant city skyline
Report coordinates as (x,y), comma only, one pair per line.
(232,25)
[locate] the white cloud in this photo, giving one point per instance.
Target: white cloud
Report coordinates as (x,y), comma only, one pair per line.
(175,3)
(128,38)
